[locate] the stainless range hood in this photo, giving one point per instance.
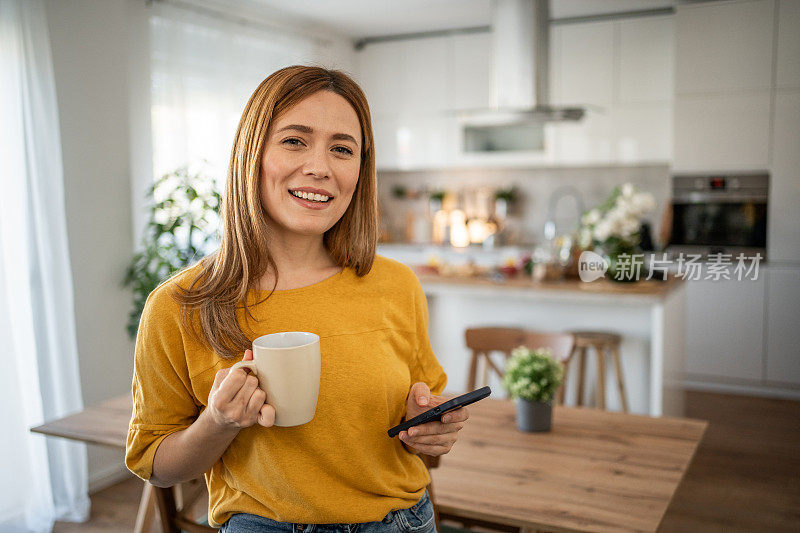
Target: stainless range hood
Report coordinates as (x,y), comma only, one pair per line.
(520,69)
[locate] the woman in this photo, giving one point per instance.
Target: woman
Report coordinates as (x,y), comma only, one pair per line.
(297,254)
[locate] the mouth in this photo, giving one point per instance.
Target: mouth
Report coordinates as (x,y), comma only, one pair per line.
(320,197)
(311,200)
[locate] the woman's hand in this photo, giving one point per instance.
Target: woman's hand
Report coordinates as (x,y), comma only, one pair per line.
(235,401)
(432,438)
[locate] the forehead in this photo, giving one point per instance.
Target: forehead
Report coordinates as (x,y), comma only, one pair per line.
(325,112)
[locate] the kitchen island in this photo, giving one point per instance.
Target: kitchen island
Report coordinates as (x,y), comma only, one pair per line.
(648,314)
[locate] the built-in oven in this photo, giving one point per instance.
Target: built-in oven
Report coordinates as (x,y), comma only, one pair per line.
(719,213)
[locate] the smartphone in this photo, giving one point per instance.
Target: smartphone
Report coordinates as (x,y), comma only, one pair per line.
(437,412)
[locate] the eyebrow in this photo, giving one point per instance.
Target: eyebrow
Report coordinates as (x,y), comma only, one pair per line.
(306,129)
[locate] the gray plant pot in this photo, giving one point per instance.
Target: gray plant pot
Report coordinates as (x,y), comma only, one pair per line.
(534,416)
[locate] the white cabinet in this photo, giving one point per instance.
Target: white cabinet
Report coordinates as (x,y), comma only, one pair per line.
(471,66)
(724,46)
(621,69)
(624,71)
(783,333)
(788,60)
(424,76)
(582,64)
(408,88)
(722,132)
(723,84)
(646,60)
(725,329)
(783,236)
(379,73)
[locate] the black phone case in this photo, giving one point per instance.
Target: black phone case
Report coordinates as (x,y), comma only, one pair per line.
(437,412)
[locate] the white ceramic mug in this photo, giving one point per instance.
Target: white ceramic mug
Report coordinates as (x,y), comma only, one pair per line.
(287,366)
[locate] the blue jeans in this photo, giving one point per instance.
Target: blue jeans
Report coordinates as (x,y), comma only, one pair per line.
(416,519)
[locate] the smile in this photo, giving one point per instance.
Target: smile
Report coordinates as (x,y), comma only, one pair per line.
(309,200)
(311,197)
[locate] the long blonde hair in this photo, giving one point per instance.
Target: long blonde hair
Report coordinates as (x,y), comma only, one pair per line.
(227,275)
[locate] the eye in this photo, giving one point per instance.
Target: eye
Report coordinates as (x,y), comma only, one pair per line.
(343,150)
(292,141)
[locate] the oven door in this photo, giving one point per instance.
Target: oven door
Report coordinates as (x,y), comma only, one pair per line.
(720,226)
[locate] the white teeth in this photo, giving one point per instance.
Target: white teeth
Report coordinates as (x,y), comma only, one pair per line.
(310,196)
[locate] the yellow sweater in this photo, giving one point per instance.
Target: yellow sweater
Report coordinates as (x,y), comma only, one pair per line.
(341,467)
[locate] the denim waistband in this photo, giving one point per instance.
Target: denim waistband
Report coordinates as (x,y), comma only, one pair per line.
(416,519)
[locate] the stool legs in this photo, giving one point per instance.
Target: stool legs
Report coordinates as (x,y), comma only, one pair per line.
(605,351)
(581,373)
(600,393)
(620,380)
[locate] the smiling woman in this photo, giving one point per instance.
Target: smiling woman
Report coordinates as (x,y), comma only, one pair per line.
(297,254)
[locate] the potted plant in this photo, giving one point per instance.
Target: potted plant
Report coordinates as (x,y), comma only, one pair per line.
(182,227)
(613,230)
(532,378)
(503,198)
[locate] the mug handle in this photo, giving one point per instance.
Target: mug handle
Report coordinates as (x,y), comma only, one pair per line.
(246,364)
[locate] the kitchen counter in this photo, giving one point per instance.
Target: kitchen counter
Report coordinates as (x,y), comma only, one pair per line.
(644,291)
(649,315)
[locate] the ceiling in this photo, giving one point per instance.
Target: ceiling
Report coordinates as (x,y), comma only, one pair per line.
(373,18)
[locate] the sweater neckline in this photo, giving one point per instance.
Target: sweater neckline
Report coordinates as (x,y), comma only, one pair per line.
(297,290)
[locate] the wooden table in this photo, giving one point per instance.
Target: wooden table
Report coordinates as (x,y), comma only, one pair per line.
(595,471)
(105,424)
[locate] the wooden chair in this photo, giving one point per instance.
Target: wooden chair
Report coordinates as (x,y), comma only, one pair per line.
(484,341)
(177,507)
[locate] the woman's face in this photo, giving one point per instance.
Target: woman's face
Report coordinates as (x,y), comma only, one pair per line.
(313,150)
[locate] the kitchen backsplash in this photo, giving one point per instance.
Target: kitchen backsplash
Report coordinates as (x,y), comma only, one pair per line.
(534,187)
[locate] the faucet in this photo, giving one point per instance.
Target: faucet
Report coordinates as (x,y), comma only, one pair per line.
(550,230)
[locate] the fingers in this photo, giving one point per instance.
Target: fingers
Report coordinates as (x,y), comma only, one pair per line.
(231,384)
(459,415)
(435,428)
(256,401)
(266,417)
(242,398)
(434,450)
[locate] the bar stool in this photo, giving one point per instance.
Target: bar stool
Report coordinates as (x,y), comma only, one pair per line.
(603,342)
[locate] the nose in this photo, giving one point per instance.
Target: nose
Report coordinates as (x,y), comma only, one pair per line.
(317,164)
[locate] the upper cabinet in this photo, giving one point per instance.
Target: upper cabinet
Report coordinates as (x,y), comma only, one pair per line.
(723,85)
(724,46)
(646,60)
(471,67)
(582,63)
(788,62)
(621,70)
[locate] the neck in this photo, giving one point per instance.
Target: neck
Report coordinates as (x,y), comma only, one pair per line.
(297,258)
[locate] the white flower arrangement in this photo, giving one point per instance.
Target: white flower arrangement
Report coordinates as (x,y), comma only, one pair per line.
(617,219)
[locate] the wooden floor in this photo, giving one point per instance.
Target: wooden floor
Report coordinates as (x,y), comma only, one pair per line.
(745,476)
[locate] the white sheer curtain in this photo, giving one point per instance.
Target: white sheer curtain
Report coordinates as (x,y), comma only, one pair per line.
(42,479)
(203,71)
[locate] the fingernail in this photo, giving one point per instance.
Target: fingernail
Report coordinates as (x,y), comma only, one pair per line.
(412,432)
(423,400)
